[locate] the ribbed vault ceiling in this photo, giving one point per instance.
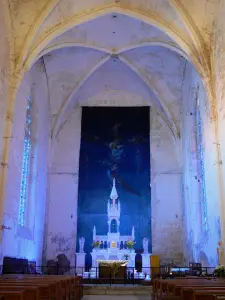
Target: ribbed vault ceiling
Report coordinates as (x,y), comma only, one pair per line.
(115,52)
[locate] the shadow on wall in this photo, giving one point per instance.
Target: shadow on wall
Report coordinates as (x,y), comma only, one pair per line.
(203,260)
(59,267)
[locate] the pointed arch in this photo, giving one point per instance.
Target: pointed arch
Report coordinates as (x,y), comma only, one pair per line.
(65,104)
(94,14)
(60,115)
(73,44)
(48,8)
(156,93)
(150,43)
(190,51)
(192,29)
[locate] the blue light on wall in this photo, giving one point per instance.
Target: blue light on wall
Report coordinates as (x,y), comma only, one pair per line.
(202,172)
(25,166)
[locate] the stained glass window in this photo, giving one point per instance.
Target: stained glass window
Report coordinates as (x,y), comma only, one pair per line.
(25,166)
(202,171)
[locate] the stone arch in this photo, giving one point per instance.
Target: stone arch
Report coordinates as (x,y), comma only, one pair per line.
(77,87)
(151,43)
(51,4)
(91,15)
(194,56)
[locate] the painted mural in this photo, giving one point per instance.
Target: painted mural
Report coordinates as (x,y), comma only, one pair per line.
(115,149)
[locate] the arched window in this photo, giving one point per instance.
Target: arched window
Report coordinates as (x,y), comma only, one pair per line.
(25,166)
(113,228)
(201,170)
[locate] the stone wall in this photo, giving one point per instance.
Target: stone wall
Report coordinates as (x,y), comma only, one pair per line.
(219,60)
(166,191)
(4,93)
(4,70)
(27,241)
(199,240)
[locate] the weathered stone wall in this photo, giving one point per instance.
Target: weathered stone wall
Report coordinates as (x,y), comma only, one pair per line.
(219,59)
(27,241)
(208,243)
(4,70)
(4,95)
(190,166)
(166,194)
(165,183)
(198,240)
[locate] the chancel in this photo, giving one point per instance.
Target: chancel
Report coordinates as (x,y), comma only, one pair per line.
(112,140)
(113,246)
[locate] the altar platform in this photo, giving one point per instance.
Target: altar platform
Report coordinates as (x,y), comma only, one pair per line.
(117,290)
(130,277)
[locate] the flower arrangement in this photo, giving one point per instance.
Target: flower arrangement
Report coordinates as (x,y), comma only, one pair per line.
(130,244)
(219,271)
(96,244)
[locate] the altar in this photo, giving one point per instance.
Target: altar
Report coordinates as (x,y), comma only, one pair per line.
(113,246)
(112,268)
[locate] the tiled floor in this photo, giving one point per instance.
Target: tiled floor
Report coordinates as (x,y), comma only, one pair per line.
(116,297)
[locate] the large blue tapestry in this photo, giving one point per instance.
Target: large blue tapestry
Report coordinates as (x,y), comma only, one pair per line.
(114,144)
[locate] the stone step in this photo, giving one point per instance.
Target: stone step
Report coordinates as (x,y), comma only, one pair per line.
(117,290)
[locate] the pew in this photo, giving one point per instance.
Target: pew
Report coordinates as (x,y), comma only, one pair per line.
(207,294)
(30,293)
(45,290)
(177,289)
(188,292)
(67,285)
(52,287)
(12,295)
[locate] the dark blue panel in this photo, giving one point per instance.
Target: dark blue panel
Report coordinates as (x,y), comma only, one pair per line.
(114,144)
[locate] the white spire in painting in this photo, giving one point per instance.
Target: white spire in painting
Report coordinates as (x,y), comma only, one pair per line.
(114,194)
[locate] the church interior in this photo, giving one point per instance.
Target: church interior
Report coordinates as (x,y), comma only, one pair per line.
(112,136)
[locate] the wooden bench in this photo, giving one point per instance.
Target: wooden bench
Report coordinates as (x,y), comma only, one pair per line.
(6,295)
(188,292)
(70,286)
(207,294)
(30,293)
(46,290)
(50,287)
(183,289)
